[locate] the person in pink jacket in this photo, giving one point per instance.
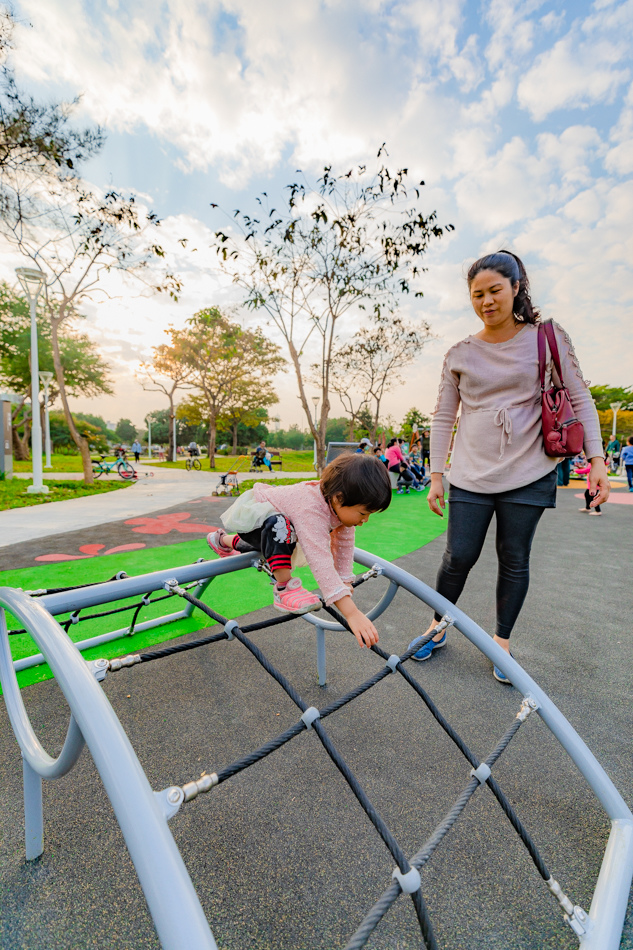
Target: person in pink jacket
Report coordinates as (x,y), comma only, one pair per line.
(313,523)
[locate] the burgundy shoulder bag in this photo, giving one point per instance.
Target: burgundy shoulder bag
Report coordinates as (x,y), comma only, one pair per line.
(563,434)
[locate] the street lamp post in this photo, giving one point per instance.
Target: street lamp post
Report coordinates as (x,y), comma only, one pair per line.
(149,435)
(45,379)
(173,452)
(315,400)
(31,281)
(616,406)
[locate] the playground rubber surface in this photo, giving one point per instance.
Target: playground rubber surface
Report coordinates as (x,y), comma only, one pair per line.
(281,855)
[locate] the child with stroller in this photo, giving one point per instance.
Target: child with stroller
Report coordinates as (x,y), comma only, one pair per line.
(311,522)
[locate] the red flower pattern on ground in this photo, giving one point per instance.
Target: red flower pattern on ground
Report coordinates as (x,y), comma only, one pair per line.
(163,524)
(89,550)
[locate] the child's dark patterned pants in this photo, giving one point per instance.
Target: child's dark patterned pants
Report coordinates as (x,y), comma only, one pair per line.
(276,539)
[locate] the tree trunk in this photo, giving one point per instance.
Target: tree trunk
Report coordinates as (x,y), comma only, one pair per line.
(79,440)
(318,434)
(21,445)
(350,434)
(171,447)
(212,434)
(235,425)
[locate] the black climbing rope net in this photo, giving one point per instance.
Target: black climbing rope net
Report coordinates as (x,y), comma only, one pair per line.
(406,875)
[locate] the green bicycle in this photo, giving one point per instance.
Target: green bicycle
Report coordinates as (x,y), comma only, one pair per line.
(124,469)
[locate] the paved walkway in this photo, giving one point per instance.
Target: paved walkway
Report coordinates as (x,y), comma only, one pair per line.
(156,488)
(282,856)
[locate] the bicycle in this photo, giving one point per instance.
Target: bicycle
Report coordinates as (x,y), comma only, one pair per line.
(124,469)
(193,462)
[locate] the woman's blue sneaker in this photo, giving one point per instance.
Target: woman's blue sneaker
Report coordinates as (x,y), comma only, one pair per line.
(501,677)
(425,651)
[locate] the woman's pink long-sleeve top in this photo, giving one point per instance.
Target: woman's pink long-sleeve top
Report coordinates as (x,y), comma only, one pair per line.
(327,544)
(394,455)
(499,441)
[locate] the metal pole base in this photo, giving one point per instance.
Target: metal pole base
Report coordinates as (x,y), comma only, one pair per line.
(37,490)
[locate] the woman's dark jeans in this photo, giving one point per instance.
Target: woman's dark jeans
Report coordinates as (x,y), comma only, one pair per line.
(467,527)
(404,475)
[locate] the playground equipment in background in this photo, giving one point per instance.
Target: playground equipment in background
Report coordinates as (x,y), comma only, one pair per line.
(229,484)
(143,814)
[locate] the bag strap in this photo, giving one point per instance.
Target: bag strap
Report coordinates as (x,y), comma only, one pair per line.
(546,332)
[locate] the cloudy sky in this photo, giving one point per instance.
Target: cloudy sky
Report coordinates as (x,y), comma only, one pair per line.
(518,114)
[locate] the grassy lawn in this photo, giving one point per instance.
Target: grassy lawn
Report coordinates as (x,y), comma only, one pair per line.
(13,493)
(406,526)
(61,463)
(292,462)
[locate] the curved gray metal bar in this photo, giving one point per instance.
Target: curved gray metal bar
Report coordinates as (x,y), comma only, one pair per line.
(172,901)
(375,611)
(609,903)
(32,750)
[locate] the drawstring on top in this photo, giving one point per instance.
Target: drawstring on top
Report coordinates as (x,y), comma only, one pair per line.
(503,419)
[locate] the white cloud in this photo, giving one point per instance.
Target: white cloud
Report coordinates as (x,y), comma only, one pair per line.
(586,66)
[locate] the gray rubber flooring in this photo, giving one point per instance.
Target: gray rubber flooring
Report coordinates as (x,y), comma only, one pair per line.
(282,856)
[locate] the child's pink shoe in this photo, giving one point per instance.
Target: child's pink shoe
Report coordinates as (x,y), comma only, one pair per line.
(295,599)
(214,542)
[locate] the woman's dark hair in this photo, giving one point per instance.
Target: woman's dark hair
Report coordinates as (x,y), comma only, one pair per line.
(358,480)
(391,442)
(509,265)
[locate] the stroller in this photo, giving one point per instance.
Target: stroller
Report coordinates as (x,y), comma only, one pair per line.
(229,484)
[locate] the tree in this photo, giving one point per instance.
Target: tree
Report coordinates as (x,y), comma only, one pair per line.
(85,371)
(75,235)
(34,134)
(373,360)
(605,395)
(247,407)
(62,440)
(414,418)
(346,244)
(222,358)
(125,430)
(168,364)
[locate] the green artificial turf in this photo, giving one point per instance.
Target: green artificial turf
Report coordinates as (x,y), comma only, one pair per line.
(406,526)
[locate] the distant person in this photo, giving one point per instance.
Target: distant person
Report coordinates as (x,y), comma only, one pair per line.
(193,449)
(563,470)
(613,453)
(378,452)
(363,445)
(137,448)
(627,461)
(261,456)
(499,466)
(396,463)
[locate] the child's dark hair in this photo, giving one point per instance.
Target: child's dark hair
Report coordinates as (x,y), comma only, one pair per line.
(630,440)
(509,265)
(359,480)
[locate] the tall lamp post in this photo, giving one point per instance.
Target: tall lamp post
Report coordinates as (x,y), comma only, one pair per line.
(174,456)
(149,435)
(45,379)
(32,281)
(616,406)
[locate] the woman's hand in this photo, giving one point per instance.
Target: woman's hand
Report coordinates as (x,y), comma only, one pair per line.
(435,496)
(599,485)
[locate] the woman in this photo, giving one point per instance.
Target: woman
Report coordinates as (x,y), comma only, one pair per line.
(498,463)
(396,463)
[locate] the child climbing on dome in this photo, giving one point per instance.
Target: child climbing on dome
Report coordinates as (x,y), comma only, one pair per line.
(312,522)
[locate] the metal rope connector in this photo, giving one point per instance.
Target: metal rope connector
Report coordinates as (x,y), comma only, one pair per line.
(409,882)
(528,706)
(173,587)
(204,784)
(130,660)
(374,571)
(229,627)
(309,716)
(575,916)
(445,622)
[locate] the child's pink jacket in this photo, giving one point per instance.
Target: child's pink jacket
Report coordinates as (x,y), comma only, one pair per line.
(327,544)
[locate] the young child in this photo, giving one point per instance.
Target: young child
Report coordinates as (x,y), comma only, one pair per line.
(627,460)
(313,523)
